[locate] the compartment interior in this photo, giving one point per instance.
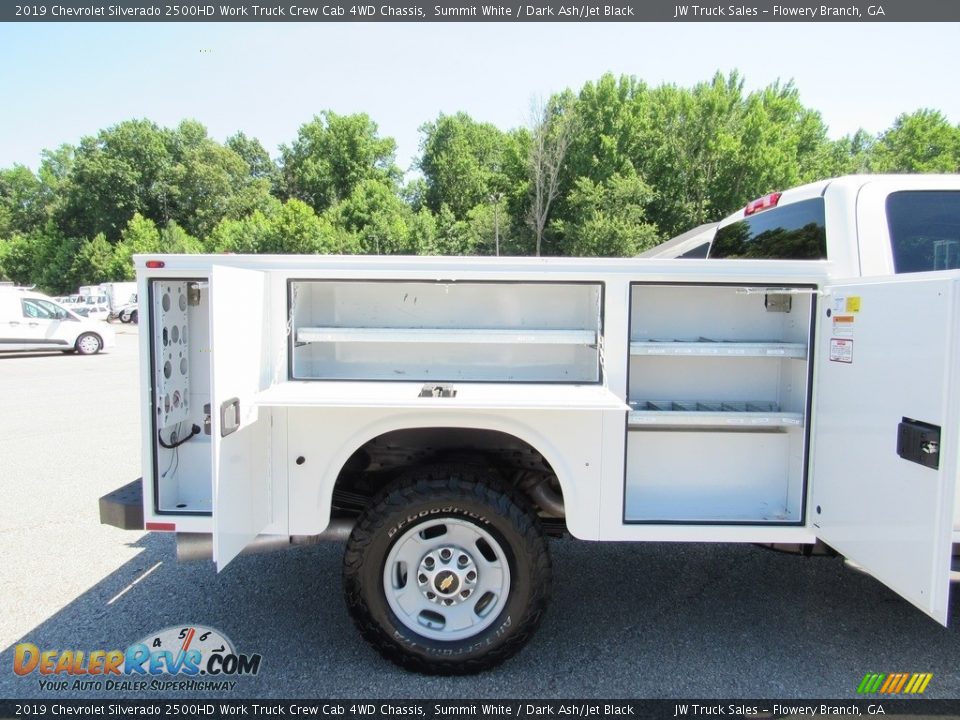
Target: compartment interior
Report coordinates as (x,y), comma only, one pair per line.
(180,327)
(445,331)
(718,391)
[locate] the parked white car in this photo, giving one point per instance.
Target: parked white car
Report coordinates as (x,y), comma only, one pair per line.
(32,321)
(93,311)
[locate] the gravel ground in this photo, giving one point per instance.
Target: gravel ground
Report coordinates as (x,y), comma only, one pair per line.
(626,620)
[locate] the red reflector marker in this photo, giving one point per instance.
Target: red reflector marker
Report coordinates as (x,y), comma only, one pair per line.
(155,263)
(764,203)
(162,527)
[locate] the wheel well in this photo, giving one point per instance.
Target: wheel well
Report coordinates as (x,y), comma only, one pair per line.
(383,459)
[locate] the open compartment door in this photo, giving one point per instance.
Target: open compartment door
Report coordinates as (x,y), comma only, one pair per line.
(240,368)
(885,437)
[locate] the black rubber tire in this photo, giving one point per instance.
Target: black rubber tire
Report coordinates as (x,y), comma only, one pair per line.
(135,317)
(467,494)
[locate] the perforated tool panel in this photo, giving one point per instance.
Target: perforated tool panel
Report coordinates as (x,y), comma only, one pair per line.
(171,367)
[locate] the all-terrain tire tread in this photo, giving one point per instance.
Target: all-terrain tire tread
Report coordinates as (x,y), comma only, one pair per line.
(442,482)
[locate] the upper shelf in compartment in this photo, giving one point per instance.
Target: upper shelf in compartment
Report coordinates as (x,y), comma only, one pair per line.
(482,336)
(711,348)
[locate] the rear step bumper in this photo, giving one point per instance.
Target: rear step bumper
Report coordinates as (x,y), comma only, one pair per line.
(123,508)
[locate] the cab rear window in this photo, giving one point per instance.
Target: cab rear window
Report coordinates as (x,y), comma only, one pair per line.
(791,232)
(924,230)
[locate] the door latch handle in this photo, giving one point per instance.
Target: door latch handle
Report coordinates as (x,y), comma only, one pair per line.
(229,416)
(930,447)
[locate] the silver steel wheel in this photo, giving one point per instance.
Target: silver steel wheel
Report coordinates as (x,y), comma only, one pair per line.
(88,344)
(446,579)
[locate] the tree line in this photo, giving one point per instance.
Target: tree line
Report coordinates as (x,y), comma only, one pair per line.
(610,170)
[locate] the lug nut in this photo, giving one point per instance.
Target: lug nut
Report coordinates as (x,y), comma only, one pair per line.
(471,576)
(445,555)
(423,579)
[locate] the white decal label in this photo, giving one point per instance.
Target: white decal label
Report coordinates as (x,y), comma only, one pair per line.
(841,350)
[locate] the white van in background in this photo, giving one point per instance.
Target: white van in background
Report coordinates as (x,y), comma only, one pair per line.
(32,321)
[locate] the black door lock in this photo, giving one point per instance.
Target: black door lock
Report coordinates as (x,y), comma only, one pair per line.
(919,442)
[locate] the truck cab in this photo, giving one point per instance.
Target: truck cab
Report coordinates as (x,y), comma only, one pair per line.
(865,225)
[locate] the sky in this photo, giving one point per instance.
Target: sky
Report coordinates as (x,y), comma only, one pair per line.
(62,81)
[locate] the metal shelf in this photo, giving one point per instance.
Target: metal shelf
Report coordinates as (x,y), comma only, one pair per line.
(710,348)
(478,336)
(670,413)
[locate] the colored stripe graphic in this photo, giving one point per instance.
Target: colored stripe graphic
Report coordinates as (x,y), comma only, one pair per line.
(871,683)
(894,683)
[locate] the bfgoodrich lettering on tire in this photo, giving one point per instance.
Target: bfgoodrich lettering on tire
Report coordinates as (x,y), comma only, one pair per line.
(448,571)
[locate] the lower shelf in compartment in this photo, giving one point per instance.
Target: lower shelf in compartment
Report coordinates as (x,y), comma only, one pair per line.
(189,506)
(714,477)
(752,414)
(696,505)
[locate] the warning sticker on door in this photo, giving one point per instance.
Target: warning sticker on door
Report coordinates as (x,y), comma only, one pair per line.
(843,325)
(841,350)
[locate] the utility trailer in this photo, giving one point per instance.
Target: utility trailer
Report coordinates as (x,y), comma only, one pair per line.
(443,415)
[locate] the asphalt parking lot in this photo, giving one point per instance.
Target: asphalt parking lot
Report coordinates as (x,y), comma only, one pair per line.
(626,621)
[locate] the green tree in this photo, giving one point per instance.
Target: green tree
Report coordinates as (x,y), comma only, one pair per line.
(464,162)
(92,264)
(138,167)
(919,142)
(610,111)
(850,154)
(22,201)
(122,171)
(174,239)
(716,147)
(453,236)
(290,227)
(377,217)
(140,236)
(207,181)
(17,258)
(259,164)
(332,155)
(609,218)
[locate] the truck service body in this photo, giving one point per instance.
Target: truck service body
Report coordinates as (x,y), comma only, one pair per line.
(447,413)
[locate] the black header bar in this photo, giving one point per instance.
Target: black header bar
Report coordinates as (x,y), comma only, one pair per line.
(474,11)
(883,706)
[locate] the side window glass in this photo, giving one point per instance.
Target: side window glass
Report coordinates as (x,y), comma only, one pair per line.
(791,232)
(924,230)
(40,309)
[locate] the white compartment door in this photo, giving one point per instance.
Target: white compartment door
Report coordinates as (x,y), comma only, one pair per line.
(886,355)
(240,368)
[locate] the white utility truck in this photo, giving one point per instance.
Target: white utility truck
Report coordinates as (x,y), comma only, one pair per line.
(443,415)
(119,295)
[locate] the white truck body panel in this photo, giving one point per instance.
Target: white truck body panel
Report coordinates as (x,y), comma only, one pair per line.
(675,400)
(898,360)
(240,447)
